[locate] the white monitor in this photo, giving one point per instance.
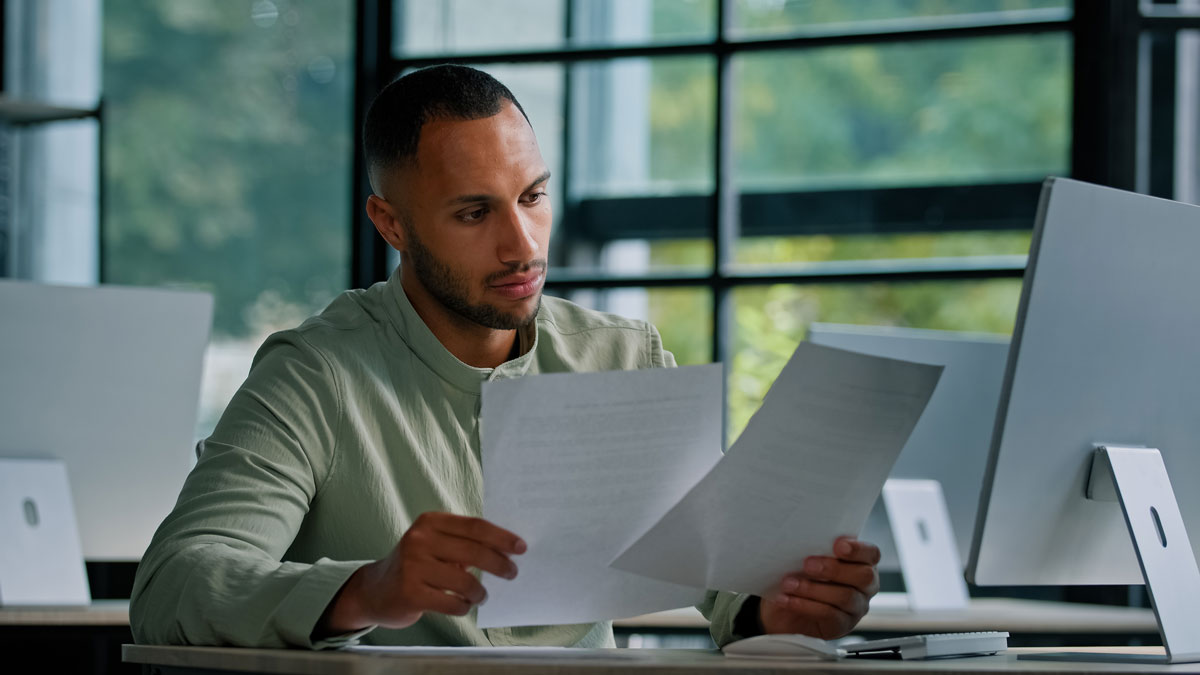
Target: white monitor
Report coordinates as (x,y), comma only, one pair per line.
(1106,352)
(951,440)
(106,379)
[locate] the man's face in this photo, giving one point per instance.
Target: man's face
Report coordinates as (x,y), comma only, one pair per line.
(476,217)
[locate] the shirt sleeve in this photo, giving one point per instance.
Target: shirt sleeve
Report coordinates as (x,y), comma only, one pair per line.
(213,573)
(719,607)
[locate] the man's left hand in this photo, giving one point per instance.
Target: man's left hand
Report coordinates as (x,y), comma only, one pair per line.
(828,597)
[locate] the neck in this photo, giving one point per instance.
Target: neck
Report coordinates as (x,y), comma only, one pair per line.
(469,342)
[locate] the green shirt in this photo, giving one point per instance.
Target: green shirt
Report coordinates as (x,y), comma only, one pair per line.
(346,429)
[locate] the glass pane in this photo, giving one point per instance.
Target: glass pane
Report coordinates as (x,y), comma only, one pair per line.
(869,118)
(53,203)
(626,22)
(762,18)
(683,316)
(1170,8)
(476,26)
(427,27)
(641,131)
(963,111)
(49,173)
(228,130)
(819,248)
(769,321)
(643,127)
(1187,115)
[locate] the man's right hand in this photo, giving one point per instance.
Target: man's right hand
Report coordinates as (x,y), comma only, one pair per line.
(428,571)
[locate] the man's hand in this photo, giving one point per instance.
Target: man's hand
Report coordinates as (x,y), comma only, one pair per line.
(428,571)
(828,597)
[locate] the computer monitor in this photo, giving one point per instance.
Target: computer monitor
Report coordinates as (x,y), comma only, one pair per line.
(106,379)
(1106,351)
(951,440)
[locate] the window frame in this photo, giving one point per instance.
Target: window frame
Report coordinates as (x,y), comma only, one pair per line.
(1104,138)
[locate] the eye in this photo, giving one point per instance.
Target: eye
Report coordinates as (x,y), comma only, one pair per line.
(473,216)
(536,197)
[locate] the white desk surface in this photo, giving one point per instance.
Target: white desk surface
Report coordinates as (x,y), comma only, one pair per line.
(99,613)
(1014,616)
(595,662)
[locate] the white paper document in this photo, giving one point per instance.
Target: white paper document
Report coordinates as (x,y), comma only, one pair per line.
(579,465)
(807,469)
(525,653)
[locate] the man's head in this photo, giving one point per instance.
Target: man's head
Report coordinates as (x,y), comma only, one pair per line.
(460,191)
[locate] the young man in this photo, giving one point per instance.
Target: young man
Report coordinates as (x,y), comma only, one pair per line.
(338,497)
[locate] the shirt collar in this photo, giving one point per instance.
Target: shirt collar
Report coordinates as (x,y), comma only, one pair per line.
(436,357)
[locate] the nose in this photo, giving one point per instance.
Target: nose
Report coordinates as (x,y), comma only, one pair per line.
(517,241)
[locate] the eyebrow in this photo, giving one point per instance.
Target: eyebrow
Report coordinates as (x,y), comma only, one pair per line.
(471,199)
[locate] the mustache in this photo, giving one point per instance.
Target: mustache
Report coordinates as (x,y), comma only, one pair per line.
(539,265)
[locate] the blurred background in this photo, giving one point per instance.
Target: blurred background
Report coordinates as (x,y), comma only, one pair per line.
(730,170)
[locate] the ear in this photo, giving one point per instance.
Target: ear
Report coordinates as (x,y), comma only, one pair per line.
(386,221)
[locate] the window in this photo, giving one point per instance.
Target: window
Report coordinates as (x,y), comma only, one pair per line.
(733,179)
(228,137)
(49,142)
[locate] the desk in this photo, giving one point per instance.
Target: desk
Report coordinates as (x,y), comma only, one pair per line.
(1029,621)
(197,660)
(1012,615)
(82,639)
(99,613)
(92,635)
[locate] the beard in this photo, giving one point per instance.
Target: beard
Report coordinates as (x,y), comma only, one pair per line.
(451,288)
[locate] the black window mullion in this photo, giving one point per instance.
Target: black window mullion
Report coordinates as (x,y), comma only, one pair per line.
(373,58)
(1159,108)
(725,208)
(564,238)
(1104,96)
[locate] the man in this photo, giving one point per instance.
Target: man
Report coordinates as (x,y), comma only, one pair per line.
(338,497)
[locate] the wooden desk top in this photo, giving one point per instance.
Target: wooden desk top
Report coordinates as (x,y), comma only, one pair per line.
(510,661)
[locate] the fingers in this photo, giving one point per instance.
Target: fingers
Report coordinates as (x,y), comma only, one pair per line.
(467,553)
(850,549)
(476,529)
(443,577)
(857,575)
(829,621)
(847,599)
(434,600)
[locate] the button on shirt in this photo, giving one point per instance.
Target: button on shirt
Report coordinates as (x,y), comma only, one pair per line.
(346,429)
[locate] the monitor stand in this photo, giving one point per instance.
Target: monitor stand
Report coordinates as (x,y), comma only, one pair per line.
(920,525)
(1137,478)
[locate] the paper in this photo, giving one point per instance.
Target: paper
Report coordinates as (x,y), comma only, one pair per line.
(573,653)
(807,469)
(579,465)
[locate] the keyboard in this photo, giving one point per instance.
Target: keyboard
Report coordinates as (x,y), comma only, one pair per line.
(931,646)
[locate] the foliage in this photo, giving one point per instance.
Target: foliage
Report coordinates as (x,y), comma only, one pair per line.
(228,148)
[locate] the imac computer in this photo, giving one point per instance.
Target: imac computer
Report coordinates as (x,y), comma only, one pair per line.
(949,445)
(106,379)
(1100,404)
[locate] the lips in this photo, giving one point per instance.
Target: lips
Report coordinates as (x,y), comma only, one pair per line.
(518,286)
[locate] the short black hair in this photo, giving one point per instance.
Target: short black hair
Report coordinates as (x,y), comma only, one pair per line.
(396,116)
